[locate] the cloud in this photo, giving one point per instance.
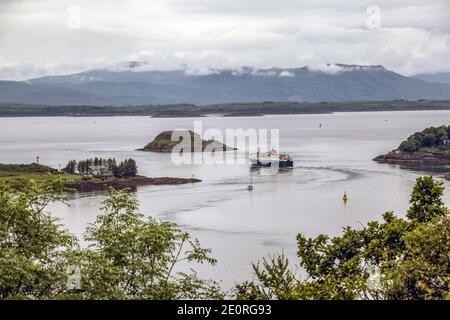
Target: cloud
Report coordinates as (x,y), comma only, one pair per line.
(205,35)
(200,72)
(328,68)
(286,74)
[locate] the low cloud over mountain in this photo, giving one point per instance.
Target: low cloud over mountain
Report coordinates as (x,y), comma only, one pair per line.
(131,83)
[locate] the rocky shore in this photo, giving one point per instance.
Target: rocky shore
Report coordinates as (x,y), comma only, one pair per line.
(131,183)
(399,157)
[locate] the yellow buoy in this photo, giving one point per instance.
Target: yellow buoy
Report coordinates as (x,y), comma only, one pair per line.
(345,198)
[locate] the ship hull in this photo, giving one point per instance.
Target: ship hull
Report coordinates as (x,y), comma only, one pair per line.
(258,163)
(273,163)
(286,164)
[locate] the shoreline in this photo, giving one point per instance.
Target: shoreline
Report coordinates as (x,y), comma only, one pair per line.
(206,115)
(250,109)
(397,157)
(124,183)
(412,160)
(211,115)
(17,176)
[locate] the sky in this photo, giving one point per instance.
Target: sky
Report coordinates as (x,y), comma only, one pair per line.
(50,37)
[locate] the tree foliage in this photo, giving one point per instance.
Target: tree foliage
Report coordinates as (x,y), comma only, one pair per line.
(71,167)
(32,244)
(433,140)
(132,256)
(125,169)
(426,200)
(395,258)
(129,256)
(275,280)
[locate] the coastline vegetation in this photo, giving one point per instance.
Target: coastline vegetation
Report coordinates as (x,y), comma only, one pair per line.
(428,147)
(435,140)
(102,168)
(227,110)
(18,175)
(86,175)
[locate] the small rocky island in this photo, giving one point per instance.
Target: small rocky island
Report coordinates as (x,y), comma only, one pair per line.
(429,147)
(163,143)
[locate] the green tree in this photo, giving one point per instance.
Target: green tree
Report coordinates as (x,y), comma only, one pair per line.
(275,280)
(128,257)
(33,245)
(82,167)
(392,259)
(135,257)
(431,140)
(70,167)
(426,200)
(423,272)
(126,169)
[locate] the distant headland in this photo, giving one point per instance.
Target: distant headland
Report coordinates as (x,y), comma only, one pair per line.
(224,109)
(86,175)
(430,146)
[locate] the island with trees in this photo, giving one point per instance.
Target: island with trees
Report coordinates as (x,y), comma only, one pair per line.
(430,146)
(163,143)
(85,175)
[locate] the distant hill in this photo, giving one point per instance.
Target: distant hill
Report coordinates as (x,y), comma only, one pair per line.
(132,84)
(225,110)
(441,77)
(24,92)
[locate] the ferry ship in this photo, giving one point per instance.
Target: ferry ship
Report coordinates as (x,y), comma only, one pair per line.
(271,159)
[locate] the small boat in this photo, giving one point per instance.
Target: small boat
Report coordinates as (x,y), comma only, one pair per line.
(271,159)
(250,187)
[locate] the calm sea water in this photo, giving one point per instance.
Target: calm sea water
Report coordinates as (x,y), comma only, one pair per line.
(240,226)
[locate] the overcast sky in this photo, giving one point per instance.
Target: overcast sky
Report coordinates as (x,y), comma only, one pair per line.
(42,37)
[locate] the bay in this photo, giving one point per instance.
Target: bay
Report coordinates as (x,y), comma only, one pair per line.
(240,226)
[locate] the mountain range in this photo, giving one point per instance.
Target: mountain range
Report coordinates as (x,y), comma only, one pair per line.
(440,77)
(132,83)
